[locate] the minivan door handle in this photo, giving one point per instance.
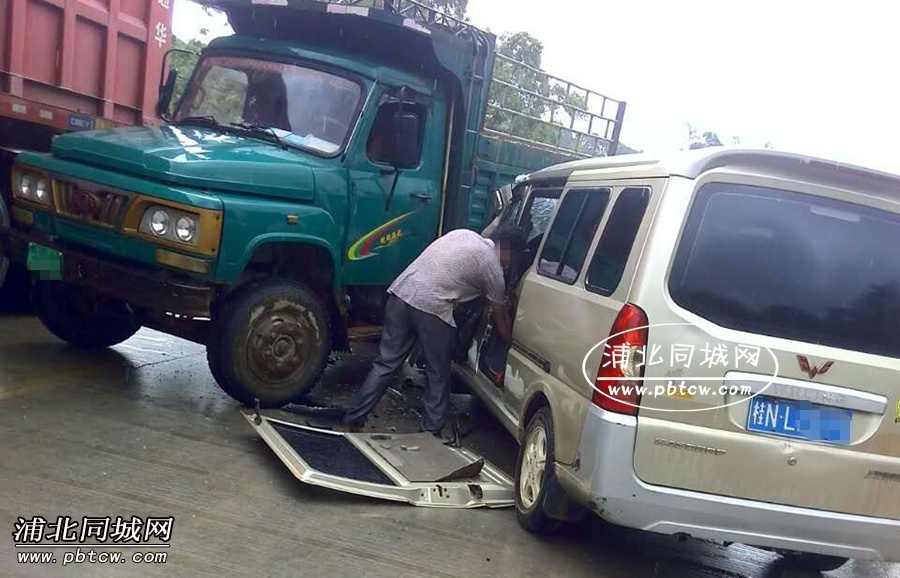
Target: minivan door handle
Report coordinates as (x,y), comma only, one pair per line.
(424,197)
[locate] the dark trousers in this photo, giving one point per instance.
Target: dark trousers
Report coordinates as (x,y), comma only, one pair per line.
(402,326)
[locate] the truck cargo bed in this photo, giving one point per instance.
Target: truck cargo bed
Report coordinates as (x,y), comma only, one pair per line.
(78,65)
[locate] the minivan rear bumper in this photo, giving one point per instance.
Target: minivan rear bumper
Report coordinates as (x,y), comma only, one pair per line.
(606,482)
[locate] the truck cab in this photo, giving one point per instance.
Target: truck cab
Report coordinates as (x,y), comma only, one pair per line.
(311,157)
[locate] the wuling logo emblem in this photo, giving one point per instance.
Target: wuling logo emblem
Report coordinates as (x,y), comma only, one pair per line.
(811,370)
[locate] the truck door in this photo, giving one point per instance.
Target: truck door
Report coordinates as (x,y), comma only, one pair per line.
(394,210)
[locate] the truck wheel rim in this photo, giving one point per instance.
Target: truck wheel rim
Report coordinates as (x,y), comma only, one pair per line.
(534,461)
(281,345)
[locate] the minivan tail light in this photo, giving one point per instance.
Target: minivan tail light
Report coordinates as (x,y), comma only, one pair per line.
(622,365)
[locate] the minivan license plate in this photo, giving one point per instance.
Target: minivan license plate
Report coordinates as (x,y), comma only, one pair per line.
(799,419)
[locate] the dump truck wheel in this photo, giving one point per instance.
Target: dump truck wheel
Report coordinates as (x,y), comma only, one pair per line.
(81,317)
(534,469)
(4,228)
(15,292)
(270,343)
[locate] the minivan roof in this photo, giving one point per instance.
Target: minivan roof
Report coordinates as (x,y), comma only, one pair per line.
(692,164)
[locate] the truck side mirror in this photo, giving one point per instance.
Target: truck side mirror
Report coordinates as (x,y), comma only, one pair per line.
(406,141)
(166,90)
(167,87)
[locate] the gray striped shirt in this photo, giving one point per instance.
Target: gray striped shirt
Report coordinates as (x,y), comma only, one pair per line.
(456,268)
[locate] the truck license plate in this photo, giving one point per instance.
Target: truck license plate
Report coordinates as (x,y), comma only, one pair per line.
(47,262)
(799,419)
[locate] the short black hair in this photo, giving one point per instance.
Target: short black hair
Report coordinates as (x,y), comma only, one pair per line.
(510,234)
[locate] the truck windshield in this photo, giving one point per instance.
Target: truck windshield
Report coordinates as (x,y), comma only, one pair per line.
(304,107)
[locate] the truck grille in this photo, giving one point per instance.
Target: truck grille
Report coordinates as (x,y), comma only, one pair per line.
(89,203)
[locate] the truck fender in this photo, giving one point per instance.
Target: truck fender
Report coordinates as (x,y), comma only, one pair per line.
(293,238)
(331,294)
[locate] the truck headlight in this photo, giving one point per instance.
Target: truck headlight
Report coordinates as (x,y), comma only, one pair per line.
(185,229)
(176,226)
(158,222)
(41,190)
(26,184)
(32,185)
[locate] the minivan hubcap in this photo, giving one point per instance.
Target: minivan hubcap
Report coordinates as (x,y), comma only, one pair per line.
(534,461)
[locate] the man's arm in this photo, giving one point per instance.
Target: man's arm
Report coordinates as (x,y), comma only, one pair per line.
(502,322)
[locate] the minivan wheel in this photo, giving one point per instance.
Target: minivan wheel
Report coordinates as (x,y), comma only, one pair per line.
(813,562)
(82,317)
(270,342)
(534,469)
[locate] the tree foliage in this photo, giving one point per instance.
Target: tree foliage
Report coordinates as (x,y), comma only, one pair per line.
(537,97)
(702,141)
(184,64)
(527,49)
(455,8)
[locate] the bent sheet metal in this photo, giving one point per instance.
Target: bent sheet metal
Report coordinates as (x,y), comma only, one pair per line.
(414,468)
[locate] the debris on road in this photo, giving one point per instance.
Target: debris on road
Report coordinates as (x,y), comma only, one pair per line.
(418,468)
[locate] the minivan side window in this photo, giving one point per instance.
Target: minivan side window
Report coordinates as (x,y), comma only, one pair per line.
(614,247)
(571,234)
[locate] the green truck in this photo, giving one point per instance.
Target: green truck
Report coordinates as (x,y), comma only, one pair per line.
(312,156)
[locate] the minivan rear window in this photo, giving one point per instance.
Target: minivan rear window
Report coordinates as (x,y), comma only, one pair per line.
(792,265)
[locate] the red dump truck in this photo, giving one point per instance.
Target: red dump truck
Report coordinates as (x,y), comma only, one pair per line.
(70,65)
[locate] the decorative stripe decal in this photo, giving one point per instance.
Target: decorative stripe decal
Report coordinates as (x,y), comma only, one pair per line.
(381,237)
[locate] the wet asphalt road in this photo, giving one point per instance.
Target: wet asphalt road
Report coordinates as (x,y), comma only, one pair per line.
(142,429)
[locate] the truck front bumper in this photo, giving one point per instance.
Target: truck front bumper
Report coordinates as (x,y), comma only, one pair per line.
(606,482)
(151,289)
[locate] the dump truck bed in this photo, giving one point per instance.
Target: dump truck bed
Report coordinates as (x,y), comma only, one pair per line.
(78,64)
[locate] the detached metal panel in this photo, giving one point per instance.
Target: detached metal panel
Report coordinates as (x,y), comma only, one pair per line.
(413,468)
(82,64)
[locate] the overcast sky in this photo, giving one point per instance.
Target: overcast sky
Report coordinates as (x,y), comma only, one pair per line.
(797,73)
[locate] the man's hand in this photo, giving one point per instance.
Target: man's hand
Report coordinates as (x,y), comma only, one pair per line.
(502,321)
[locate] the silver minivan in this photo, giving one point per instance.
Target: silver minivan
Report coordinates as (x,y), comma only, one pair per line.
(706,346)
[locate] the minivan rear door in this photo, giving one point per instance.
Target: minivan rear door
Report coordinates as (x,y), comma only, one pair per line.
(783,300)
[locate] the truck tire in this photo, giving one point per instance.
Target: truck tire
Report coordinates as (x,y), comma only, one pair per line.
(82,317)
(15,294)
(4,267)
(4,229)
(270,342)
(534,470)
